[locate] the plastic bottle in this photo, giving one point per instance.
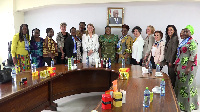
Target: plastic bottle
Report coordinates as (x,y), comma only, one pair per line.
(146,101)
(109,63)
(14,75)
(72,61)
(143,63)
(33,67)
(52,63)
(69,64)
(150,67)
(157,68)
(123,63)
(87,61)
(162,88)
(104,63)
(101,63)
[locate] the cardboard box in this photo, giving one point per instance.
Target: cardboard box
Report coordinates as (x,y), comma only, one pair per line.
(106,101)
(117,99)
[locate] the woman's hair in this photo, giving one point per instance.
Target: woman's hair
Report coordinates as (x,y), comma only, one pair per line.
(93,29)
(32,37)
(152,29)
(21,38)
(125,26)
(82,23)
(107,27)
(72,28)
(48,30)
(166,33)
(61,24)
(138,28)
(161,34)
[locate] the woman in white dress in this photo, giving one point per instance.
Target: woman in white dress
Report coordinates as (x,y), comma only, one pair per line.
(90,45)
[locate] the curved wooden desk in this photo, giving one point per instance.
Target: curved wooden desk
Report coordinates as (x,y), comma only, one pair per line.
(39,94)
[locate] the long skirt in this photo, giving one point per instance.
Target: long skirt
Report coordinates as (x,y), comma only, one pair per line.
(185,89)
(23,63)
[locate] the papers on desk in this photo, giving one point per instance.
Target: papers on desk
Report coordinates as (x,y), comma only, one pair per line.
(144,70)
(158,74)
(156,89)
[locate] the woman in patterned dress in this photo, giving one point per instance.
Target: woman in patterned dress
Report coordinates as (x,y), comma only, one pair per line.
(50,50)
(36,48)
(20,49)
(124,45)
(186,68)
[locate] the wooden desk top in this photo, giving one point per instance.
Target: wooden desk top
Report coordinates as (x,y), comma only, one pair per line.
(57,85)
(135,87)
(8,88)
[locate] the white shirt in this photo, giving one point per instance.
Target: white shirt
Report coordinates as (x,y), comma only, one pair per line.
(153,50)
(137,49)
(90,43)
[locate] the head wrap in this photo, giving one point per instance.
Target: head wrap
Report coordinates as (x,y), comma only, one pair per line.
(191,28)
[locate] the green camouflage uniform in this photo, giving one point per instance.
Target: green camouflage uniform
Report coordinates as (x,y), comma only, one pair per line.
(108,46)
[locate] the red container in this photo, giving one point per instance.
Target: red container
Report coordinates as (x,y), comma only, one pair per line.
(106,101)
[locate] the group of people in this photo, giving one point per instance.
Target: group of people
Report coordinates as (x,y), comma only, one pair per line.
(181,59)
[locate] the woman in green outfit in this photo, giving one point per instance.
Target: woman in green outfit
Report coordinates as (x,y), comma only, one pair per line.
(108,44)
(186,68)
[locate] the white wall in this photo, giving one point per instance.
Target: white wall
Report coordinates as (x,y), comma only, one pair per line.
(6,27)
(158,14)
(33,4)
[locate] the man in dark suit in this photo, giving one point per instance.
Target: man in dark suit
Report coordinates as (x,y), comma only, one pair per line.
(115,19)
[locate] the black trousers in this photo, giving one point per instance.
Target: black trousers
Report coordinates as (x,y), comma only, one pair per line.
(59,60)
(134,62)
(172,74)
(153,62)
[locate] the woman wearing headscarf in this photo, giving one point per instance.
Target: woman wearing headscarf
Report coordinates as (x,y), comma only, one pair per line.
(186,69)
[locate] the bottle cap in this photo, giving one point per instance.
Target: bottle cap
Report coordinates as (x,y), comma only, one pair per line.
(52,59)
(157,64)
(162,79)
(72,56)
(147,88)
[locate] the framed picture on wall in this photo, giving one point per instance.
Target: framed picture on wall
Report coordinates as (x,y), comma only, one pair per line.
(115,17)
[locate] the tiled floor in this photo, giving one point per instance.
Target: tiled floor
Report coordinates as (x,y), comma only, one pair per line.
(83,102)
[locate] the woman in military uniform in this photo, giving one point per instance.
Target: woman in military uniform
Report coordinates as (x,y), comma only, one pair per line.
(108,44)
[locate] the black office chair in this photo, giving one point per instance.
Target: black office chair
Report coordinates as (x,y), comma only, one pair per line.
(5,74)
(9,60)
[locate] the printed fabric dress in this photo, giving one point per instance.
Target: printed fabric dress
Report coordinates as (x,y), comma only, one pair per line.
(125,46)
(185,87)
(36,50)
(108,46)
(79,53)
